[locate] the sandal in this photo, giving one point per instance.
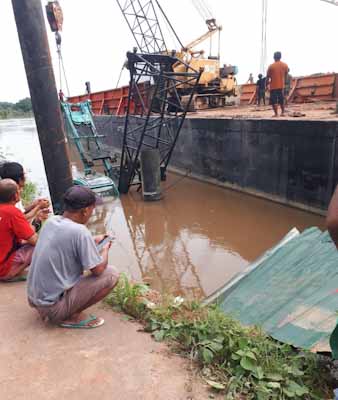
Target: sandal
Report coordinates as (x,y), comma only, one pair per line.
(84,324)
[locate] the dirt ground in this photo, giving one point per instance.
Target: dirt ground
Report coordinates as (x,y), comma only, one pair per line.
(116,361)
(307,111)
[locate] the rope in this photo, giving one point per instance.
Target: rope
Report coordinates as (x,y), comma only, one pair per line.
(172,35)
(60,75)
(199,9)
(65,76)
(120,75)
(264,36)
(203,9)
(61,63)
(178,180)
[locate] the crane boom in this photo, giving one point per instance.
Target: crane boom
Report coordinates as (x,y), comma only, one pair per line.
(143,22)
(212,29)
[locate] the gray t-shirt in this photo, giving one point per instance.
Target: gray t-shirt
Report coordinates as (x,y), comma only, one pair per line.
(65,249)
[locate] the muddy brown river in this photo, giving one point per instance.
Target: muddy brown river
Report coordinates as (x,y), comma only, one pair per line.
(190,243)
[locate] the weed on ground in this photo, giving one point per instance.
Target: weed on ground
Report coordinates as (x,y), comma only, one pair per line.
(240,362)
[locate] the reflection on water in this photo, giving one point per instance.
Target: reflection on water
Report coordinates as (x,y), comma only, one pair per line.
(197,238)
(192,242)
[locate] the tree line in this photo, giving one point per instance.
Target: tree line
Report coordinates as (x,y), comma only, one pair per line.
(23,108)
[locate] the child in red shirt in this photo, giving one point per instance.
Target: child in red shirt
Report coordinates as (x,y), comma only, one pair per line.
(18,238)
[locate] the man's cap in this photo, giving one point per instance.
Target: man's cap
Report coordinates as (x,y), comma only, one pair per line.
(77,197)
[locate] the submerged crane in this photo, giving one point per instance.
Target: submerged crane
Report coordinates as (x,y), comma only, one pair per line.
(216,82)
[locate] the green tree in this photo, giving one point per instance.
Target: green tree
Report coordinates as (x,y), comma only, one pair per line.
(3,113)
(24,105)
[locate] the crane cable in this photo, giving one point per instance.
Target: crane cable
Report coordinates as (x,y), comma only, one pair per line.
(61,63)
(264,36)
(120,74)
(55,19)
(203,8)
(169,25)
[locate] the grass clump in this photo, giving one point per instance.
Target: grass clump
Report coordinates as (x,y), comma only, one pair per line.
(242,363)
(28,193)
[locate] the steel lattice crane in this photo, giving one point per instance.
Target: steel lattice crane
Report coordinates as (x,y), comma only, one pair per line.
(176,80)
(144,19)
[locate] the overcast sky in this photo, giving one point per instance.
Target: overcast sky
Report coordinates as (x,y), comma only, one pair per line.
(96,38)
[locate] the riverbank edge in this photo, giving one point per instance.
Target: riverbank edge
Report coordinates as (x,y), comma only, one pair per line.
(232,359)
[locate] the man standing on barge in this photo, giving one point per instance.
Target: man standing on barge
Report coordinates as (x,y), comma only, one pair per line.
(276,77)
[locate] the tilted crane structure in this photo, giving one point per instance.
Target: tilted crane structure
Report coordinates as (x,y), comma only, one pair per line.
(143,22)
(157,121)
(178,79)
(144,18)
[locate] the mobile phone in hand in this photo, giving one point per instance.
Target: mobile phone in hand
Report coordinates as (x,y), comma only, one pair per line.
(104,241)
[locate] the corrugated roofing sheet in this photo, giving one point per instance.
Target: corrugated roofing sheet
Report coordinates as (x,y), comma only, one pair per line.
(291,292)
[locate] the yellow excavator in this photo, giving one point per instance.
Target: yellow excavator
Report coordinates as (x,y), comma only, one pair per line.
(217,82)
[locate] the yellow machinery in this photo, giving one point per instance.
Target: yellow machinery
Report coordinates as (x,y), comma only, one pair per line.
(217,82)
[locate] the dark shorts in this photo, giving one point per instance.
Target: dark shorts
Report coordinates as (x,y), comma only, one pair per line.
(277,97)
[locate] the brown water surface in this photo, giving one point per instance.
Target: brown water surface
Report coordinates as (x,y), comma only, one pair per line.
(197,238)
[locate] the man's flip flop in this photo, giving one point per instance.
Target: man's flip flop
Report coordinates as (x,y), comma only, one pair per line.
(84,323)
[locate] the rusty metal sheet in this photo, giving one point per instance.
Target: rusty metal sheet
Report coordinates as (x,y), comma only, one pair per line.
(113,101)
(315,88)
(321,80)
(308,89)
(247,92)
(291,292)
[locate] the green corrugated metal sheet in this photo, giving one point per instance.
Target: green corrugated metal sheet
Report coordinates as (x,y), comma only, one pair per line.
(290,292)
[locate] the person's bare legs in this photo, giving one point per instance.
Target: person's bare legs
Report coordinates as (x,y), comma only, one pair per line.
(275,109)
(282,106)
(20,261)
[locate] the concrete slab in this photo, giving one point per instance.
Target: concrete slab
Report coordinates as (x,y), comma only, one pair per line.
(115,361)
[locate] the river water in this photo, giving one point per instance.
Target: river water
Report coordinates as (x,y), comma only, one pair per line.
(190,243)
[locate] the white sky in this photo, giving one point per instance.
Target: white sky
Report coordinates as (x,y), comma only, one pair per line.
(96,38)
